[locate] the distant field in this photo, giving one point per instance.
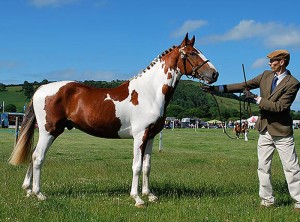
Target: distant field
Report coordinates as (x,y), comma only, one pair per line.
(13,95)
(199,176)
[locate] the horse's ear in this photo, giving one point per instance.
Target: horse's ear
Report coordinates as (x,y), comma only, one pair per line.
(192,41)
(185,41)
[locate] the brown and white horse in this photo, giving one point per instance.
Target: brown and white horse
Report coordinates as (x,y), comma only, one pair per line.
(136,109)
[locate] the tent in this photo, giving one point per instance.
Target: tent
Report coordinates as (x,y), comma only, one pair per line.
(252,119)
(214,121)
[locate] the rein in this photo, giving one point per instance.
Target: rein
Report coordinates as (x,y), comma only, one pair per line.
(219,111)
(220,116)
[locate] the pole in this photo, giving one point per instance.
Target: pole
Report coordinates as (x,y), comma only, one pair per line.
(245,80)
(160,146)
(17,130)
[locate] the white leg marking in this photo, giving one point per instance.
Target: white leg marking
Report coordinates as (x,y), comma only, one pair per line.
(146,172)
(136,169)
(44,142)
(27,184)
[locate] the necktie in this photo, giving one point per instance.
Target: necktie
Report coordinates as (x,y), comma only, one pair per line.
(274,83)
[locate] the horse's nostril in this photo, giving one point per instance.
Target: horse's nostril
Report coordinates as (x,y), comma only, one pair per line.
(215,75)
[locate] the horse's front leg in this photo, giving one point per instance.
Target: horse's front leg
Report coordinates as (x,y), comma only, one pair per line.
(136,169)
(146,172)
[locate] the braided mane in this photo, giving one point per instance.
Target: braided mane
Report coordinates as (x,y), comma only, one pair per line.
(154,61)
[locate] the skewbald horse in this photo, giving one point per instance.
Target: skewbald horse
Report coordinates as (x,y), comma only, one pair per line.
(136,109)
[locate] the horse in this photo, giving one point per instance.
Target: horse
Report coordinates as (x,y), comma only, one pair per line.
(237,129)
(135,109)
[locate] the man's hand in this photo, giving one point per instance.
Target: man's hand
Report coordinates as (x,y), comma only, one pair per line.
(249,95)
(209,89)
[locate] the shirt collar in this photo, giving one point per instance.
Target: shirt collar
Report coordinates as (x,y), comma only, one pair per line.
(280,77)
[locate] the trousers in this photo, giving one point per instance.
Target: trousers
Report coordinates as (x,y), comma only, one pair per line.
(285,147)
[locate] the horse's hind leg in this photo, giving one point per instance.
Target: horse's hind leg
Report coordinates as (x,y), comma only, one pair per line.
(27,184)
(44,142)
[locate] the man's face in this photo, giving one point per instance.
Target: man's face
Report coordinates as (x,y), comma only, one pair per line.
(276,64)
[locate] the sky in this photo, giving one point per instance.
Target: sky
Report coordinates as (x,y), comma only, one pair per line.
(115,39)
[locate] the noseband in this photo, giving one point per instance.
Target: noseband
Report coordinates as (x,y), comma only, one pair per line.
(185,58)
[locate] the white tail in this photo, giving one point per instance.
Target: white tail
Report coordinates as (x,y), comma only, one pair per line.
(23,149)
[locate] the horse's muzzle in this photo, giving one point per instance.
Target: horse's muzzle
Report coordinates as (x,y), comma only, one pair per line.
(215,76)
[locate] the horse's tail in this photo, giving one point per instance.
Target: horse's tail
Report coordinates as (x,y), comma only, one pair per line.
(23,149)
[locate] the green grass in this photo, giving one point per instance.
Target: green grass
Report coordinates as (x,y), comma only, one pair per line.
(199,176)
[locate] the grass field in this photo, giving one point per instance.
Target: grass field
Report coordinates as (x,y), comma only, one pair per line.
(199,176)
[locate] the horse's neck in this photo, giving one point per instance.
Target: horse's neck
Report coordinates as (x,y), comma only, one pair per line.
(155,79)
(155,87)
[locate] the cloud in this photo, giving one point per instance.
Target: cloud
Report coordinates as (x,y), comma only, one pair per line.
(288,37)
(272,34)
(258,63)
(5,64)
(51,3)
(72,74)
(188,26)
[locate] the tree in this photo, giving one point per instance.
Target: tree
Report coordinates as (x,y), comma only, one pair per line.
(45,81)
(28,89)
(174,110)
(2,87)
(10,108)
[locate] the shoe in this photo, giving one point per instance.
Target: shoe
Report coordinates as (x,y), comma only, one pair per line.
(267,203)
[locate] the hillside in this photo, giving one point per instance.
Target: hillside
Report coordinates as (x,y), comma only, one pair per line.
(188,101)
(14,95)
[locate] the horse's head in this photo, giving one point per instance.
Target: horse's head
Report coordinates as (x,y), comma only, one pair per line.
(193,63)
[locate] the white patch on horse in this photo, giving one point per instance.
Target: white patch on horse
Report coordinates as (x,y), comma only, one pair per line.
(205,59)
(107,97)
(39,100)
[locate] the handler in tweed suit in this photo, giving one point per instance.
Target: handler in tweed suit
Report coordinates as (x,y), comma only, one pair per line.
(274,124)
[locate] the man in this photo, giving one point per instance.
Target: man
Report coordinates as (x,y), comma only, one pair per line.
(278,90)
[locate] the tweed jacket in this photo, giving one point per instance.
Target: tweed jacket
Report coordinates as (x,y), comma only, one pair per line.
(274,107)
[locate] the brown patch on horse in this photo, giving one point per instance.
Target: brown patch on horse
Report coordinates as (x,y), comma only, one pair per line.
(119,93)
(134,98)
(144,143)
(169,75)
(168,91)
(151,131)
(171,60)
(88,109)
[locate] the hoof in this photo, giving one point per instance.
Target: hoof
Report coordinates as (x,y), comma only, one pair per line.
(153,199)
(41,196)
(29,193)
(140,205)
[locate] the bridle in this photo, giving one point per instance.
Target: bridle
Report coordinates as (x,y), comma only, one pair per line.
(186,58)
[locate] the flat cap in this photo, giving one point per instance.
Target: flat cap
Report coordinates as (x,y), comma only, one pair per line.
(279,54)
